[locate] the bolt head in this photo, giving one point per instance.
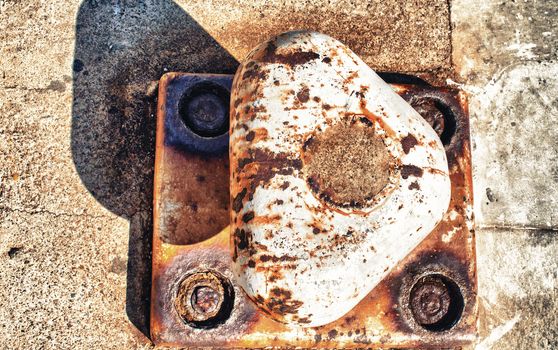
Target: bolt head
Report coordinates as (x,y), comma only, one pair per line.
(431,113)
(430,300)
(204,109)
(207,115)
(200,297)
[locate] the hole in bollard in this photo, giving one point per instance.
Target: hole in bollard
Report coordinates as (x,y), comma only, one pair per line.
(438,115)
(204,300)
(436,302)
(204,109)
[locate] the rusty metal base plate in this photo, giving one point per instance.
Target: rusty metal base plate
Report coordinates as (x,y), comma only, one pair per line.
(427,300)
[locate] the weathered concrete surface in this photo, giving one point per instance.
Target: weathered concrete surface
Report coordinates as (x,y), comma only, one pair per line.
(489,36)
(64,281)
(76,145)
(518,284)
(505,57)
(505,54)
(405,36)
(516,151)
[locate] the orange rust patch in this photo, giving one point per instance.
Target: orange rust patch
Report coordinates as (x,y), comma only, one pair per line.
(263,220)
(258,134)
(351,77)
(435,171)
(374,118)
(203,194)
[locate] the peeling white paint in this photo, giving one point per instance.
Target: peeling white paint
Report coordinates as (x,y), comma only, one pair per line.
(447,237)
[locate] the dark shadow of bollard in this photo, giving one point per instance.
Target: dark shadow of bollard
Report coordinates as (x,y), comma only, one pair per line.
(122,48)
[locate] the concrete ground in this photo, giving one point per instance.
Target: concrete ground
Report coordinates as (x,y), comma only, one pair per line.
(77,139)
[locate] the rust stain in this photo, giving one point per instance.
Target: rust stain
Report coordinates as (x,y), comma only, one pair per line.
(263,220)
(260,134)
(281,302)
(303,95)
(411,170)
(291,59)
(194,187)
(409,142)
(255,167)
(374,118)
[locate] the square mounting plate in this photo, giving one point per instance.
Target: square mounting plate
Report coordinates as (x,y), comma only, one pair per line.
(191,237)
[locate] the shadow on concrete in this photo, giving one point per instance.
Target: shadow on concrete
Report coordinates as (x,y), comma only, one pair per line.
(122,48)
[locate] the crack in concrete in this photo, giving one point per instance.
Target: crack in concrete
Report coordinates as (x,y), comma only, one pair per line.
(517,228)
(450,34)
(55,214)
(34,89)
